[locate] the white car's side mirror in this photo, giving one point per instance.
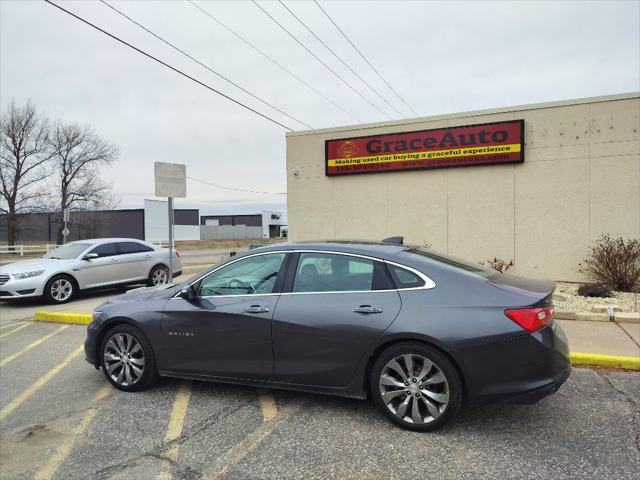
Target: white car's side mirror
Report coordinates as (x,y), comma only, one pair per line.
(90,256)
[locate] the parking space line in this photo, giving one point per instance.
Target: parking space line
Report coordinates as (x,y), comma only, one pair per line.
(268,406)
(11,358)
(16,330)
(176,424)
(52,466)
(38,384)
(248,444)
(12,325)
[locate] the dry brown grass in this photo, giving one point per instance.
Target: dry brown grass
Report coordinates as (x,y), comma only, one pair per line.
(225,244)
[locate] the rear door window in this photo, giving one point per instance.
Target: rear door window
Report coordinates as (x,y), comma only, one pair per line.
(326,272)
(132,247)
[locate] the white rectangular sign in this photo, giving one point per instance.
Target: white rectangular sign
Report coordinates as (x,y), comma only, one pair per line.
(170,179)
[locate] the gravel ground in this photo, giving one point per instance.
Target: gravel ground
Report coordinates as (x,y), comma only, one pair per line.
(566,299)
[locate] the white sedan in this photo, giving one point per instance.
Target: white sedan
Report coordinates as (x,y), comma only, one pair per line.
(85,265)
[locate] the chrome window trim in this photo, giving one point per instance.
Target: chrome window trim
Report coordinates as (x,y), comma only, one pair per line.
(428,282)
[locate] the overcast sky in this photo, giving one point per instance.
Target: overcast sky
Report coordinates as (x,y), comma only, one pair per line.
(441,57)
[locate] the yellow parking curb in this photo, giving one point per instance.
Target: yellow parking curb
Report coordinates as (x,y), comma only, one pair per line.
(63,317)
(611,361)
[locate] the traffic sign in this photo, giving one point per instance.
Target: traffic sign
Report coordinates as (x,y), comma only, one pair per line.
(170,179)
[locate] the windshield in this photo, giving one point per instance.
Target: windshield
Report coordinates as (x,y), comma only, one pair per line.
(454,262)
(67,251)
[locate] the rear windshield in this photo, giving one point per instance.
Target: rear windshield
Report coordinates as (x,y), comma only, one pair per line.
(454,262)
(67,251)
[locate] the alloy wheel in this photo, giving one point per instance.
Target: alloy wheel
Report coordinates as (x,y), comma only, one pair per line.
(414,389)
(159,277)
(61,289)
(123,359)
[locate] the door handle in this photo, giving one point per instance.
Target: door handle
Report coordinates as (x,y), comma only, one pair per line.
(256,309)
(113,259)
(367,309)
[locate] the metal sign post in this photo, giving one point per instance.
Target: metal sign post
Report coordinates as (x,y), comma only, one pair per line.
(170,182)
(170,203)
(65,220)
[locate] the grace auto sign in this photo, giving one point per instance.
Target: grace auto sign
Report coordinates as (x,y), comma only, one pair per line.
(485,144)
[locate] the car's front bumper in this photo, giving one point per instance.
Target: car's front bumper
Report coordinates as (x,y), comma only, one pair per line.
(90,344)
(28,287)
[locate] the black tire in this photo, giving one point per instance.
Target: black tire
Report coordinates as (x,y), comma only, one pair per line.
(58,287)
(150,369)
(154,271)
(452,386)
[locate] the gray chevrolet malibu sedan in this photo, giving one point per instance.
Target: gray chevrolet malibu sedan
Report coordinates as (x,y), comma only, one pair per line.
(418,331)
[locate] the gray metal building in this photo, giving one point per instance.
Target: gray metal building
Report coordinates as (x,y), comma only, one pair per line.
(127,223)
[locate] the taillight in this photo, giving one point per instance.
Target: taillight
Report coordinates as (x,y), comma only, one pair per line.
(177,254)
(531,319)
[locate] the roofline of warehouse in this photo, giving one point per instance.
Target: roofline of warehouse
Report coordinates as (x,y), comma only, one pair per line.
(473,113)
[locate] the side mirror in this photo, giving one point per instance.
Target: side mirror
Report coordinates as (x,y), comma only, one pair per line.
(188,293)
(90,256)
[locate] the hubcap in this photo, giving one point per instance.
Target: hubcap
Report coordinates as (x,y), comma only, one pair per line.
(414,389)
(61,289)
(123,359)
(159,277)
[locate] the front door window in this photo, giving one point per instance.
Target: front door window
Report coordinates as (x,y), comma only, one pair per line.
(248,276)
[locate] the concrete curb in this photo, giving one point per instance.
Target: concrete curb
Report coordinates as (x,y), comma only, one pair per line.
(621,317)
(63,317)
(610,361)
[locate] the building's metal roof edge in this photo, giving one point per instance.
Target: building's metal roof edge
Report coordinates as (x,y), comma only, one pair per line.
(472,113)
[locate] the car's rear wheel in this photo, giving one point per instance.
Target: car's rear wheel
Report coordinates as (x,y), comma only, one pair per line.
(158,276)
(416,386)
(127,359)
(60,289)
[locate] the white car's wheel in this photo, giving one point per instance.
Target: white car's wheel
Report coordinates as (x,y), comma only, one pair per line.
(60,289)
(159,275)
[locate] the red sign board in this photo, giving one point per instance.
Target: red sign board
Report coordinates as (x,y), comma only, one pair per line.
(485,144)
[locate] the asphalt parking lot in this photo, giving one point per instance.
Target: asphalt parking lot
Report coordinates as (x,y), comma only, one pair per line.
(60,419)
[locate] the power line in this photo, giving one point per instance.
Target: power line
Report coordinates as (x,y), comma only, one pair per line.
(180,72)
(365,58)
(235,189)
(319,59)
(341,60)
(271,59)
(202,64)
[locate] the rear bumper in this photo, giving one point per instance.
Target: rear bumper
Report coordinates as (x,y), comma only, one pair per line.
(533,396)
(521,369)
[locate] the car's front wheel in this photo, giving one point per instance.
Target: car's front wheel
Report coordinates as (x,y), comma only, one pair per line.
(416,386)
(60,289)
(127,359)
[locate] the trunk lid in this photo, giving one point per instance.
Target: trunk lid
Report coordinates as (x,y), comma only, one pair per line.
(535,289)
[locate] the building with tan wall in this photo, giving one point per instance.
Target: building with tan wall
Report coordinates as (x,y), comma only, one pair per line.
(580,178)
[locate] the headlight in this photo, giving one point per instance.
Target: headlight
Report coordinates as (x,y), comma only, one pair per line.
(20,276)
(97,314)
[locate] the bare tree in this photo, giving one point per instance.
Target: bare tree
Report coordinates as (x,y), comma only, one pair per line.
(79,155)
(24,156)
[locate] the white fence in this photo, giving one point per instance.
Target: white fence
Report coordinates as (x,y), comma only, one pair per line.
(229,232)
(23,250)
